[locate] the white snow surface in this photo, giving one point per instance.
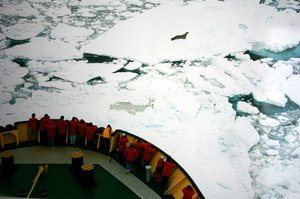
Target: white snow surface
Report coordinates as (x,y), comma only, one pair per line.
(44,49)
(71,34)
(206,22)
(23,31)
(186,108)
(293,89)
(23,9)
(246,108)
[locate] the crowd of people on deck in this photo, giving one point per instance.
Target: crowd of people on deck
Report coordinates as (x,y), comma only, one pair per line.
(84,134)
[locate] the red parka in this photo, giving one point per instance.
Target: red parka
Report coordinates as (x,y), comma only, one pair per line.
(188,192)
(90,131)
(130,154)
(139,146)
(81,129)
(51,126)
(73,127)
(62,126)
(122,144)
(167,168)
(43,123)
(148,152)
(32,123)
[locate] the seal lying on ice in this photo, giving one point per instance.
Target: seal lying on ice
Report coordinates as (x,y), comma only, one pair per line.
(183,36)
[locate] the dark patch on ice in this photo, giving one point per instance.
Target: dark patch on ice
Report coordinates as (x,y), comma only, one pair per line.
(124,70)
(178,63)
(93,58)
(276,4)
(296,69)
(270,109)
(13,42)
(21,61)
(7,20)
(28,78)
(283,55)
(96,80)
(19,93)
(55,78)
(231,57)
(175,63)
(73,9)
(50,89)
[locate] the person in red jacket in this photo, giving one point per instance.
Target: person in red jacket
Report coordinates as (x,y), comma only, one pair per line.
(81,132)
(148,153)
(90,131)
(32,128)
(73,130)
(122,145)
(62,130)
(43,132)
(51,127)
(130,156)
(158,170)
(139,146)
(166,172)
(188,192)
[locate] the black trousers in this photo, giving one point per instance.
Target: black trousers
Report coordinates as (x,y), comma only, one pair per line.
(105,145)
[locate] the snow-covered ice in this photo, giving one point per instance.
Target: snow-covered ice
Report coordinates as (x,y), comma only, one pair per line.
(174,94)
(44,49)
(23,31)
(246,108)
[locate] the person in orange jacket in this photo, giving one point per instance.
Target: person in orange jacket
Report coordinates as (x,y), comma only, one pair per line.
(32,128)
(130,155)
(148,153)
(122,145)
(62,130)
(105,139)
(188,192)
(51,127)
(166,172)
(43,131)
(73,130)
(90,132)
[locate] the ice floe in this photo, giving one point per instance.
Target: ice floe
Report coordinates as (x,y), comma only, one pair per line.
(171,93)
(44,49)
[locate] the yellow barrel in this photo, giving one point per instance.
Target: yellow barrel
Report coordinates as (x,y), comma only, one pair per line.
(77,161)
(87,167)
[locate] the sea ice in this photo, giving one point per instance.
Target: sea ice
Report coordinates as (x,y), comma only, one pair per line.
(272,152)
(71,34)
(133,65)
(23,31)
(182,105)
(290,138)
(23,9)
(293,89)
(269,122)
(246,108)
(2,36)
(43,49)
(273,144)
